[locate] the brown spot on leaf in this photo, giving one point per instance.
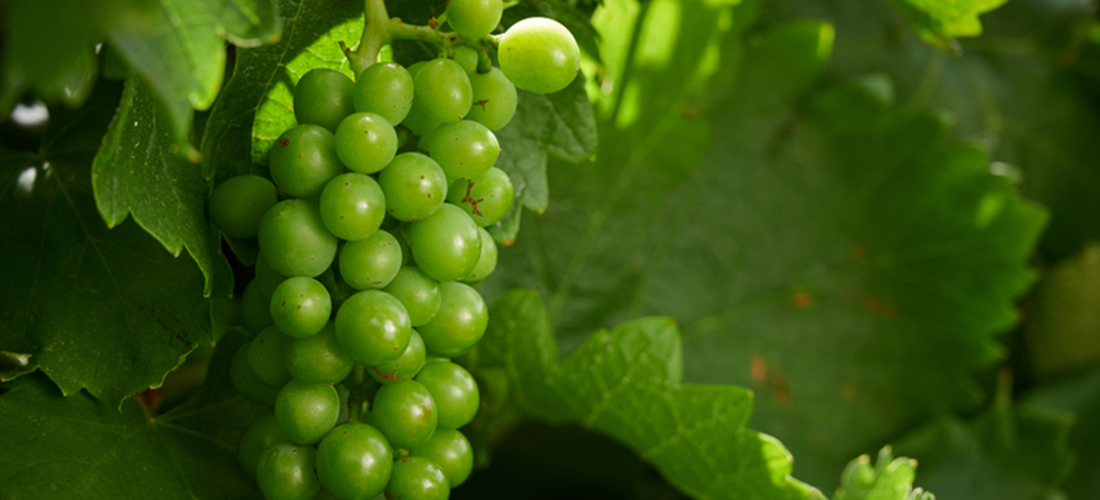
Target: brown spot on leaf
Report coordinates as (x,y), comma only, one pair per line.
(859,252)
(885,309)
(803,299)
(759,370)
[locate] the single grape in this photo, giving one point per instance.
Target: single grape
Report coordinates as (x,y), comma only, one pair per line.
(417,121)
(486,197)
(474,19)
(260,435)
(319,359)
(354,461)
(466,57)
(370,263)
(460,322)
(404,368)
(294,239)
(487,263)
(385,89)
(266,277)
(418,478)
(255,308)
(539,55)
(306,411)
(300,307)
(415,186)
(464,149)
(405,413)
(366,142)
(454,391)
(352,206)
(265,357)
(446,245)
(286,472)
(418,292)
(443,90)
(494,99)
(238,204)
(303,160)
(245,381)
(451,450)
(323,97)
(373,327)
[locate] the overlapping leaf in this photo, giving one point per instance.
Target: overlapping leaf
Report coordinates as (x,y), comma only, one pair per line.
(77,447)
(888,479)
(627,383)
(1079,394)
(804,254)
(1062,323)
(103,309)
(941,20)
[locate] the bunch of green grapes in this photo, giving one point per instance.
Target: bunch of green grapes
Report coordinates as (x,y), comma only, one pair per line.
(366,265)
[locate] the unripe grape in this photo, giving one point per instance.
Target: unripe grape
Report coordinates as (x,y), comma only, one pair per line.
(238,204)
(539,55)
(474,19)
(386,89)
(323,97)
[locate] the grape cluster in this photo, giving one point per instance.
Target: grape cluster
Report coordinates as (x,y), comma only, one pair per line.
(366,265)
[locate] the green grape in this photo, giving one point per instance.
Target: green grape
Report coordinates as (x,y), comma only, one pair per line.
(255,308)
(418,293)
(265,357)
(238,204)
(300,307)
(323,97)
(261,434)
(446,245)
(487,263)
(466,57)
(371,263)
(415,187)
(266,277)
(460,322)
(385,89)
(352,206)
(366,142)
(405,413)
(354,461)
(319,359)
(404,368)
(303,160)
(294,239)
(443,90)
(286,472)
(245,381)
(418,478)
(454,391)
(373,327)
(539,55)
(486,197)
(451,451)
(465,149)
(494,99)
(474,19)
(417,121)
(306,411)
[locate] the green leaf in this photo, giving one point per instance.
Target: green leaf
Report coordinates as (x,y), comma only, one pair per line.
(1062,321)
(1005,453)
(800,249)
(77,447)
(888,479)
(174,45)
(938,21)
(1079,394)
(626,383)
(137,171)
(103,309)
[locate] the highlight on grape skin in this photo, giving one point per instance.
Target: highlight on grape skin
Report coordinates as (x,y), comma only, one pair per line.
(539,55)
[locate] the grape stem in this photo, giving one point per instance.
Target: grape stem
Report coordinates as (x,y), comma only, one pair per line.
(379,29)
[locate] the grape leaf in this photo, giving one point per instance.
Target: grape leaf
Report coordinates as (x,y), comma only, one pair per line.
(801,250)
(77,447)
(1022,91)
(626,383)
(1005,453)
(1062,326)
(938,21)
(103,309)
(174,45)
(1079,394)
(136,171)
(889,479)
